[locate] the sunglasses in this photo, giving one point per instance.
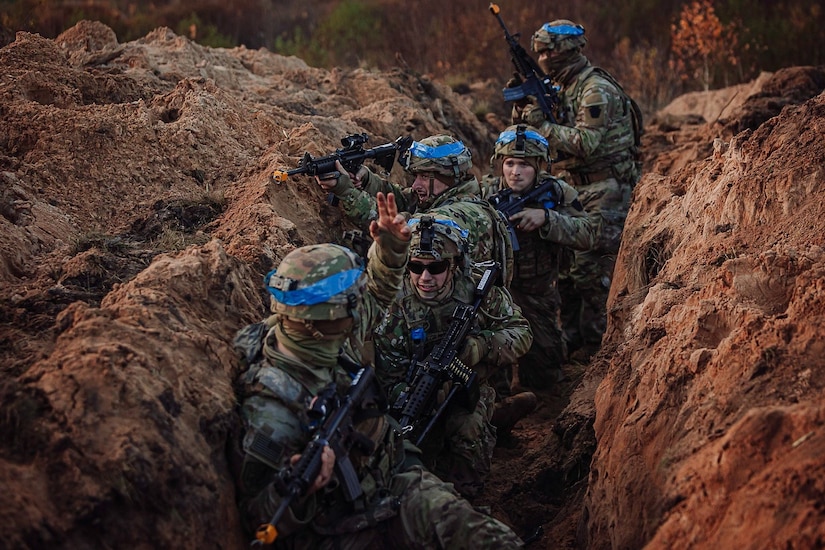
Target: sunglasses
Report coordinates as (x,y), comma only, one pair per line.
(435,268)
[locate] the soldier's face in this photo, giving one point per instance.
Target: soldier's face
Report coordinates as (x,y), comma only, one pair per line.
(426,185)
(519,175)
(431,286)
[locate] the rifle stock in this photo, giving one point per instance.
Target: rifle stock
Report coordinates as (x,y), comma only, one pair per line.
(338,433)
(417,408)
(534,82)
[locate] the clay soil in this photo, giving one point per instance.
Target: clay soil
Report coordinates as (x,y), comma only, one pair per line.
(138,218)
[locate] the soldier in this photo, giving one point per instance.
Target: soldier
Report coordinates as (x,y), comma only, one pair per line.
(443,185)
(459,448)
(545,228)
(322,298)
(596,140)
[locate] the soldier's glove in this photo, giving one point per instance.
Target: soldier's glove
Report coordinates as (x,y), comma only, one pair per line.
(533,115)
(515,82)
(475,349)
(443,392)
(361,177)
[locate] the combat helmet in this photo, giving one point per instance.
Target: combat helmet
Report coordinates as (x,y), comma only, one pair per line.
(521,141)
(439,237)
(561,35)
(320,282)
(441,154)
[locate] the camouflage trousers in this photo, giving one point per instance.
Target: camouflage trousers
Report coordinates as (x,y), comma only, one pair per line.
(540,367)
(460,450)
(584,287)
(428,514)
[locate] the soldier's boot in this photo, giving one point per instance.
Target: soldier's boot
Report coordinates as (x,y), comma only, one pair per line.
(511,409)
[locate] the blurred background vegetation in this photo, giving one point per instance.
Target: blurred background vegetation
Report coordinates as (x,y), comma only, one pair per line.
(657,48)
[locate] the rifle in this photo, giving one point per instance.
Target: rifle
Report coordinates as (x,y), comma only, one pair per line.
(535,82)
(417,408)
(506,203)
(352,155)
(336,431)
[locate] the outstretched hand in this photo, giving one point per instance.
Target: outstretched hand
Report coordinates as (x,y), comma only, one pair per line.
(389,219)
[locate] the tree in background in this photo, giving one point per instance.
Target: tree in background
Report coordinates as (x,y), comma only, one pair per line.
(701,45)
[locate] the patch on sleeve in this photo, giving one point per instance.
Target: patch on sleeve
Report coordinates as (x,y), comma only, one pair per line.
(594,115)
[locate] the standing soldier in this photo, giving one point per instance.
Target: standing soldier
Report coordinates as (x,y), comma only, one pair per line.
(322,298)
(596,141)
(545,228)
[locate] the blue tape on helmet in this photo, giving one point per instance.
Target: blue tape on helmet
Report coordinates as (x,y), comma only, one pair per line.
(509,136)
(420,150)
(566,30)
(449,223)
(318,292)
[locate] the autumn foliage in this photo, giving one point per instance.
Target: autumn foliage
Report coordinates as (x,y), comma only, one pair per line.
(701,44)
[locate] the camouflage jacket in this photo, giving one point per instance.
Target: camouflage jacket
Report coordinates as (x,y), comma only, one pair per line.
(567,225)
(275,391)
(501,334)
(596,132)
(487,236)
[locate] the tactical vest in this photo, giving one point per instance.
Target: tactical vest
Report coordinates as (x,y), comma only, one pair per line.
(537,263)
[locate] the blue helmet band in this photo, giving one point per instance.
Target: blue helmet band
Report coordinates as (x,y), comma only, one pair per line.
(316,293)
(420,150)
(509,136)
(566,30)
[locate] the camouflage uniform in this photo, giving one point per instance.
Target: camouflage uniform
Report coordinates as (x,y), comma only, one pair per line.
(403,505)
(460,448)
(596,140)
(535,279)
(461,202)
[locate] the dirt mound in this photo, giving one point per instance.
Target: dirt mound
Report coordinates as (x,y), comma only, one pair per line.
(138,220)
(709,416)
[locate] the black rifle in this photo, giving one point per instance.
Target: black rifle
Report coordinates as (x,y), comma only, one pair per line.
(534,82)
(417,408)
(507,204)
(352,155)
(338,433)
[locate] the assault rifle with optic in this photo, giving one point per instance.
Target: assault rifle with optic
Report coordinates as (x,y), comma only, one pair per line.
(534,82)
(337,432)
(506,203)
(352,155)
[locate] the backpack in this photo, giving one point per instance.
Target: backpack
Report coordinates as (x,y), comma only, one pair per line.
(635,110)
(503,251)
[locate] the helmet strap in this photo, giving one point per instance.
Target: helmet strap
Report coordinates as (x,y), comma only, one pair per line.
(456,171)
